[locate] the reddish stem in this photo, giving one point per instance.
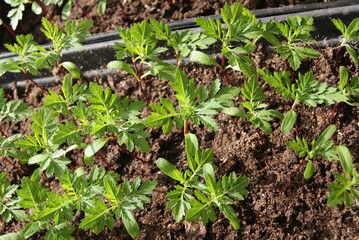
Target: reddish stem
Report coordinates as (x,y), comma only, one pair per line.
(31,80)
(177,59)
(8,96)
(72,167)
(12,164)
(128,152)
(186,123)
(122,10)
(290,69)
(223,65)
(45,10)
(260,135)
(82,9)
(61,68)
(143,93)
(104,160)
(9,29)
(333,112)
(337,57)
(301,163)
(2,132)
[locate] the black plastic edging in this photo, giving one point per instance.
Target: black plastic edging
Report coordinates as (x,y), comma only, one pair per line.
(98,49)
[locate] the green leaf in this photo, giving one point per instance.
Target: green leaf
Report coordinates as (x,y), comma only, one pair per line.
(191,143)
(122,66)
(66,11)
(345,159)
(101,7)
(95,146)
(229,212)
(12,236)
(130,223)
(203,58)
(288,121)
(169,169)
(72,68)
(309,170)
(353,54)
(325,136)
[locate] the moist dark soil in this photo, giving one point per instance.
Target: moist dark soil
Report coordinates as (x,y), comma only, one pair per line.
(276,208)
(123,13)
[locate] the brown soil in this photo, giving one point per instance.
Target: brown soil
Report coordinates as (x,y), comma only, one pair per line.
(275,208)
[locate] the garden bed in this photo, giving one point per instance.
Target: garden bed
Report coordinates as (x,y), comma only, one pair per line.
(280,205)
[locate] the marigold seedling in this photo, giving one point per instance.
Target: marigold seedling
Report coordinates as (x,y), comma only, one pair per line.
(240,27)
(193,198)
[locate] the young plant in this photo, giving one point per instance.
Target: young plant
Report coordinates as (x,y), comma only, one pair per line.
(73,33)
(193,198)
(51,158)
(23,48)
(256,111)
(322,146)
(117,118)
(140,44)
(183,42)
(349,33)
(240,27)
(97,197)
(9,207)
(304,90)
(196,104)
(348,89)
(296,29)
(345,189)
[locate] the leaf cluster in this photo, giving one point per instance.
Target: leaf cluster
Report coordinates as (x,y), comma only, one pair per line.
(193,198)
(240,28)
(194,103)
(346,188)
(294,30)
(349,33)
(98,196)
(305,90)
(255,110)
(322,146)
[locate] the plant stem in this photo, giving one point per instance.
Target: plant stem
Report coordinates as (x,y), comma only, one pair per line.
(186,126)
(296,169)
(290,69)
(104,160)
(82,9)
(333,112)
(337,57)
(260,135)
(223,65)
(31,80)
(9,29)
(61,68)
(45,10)
(177,59)
(12,164)
(128,152)
(8,96)
(2,132)
(122,9)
